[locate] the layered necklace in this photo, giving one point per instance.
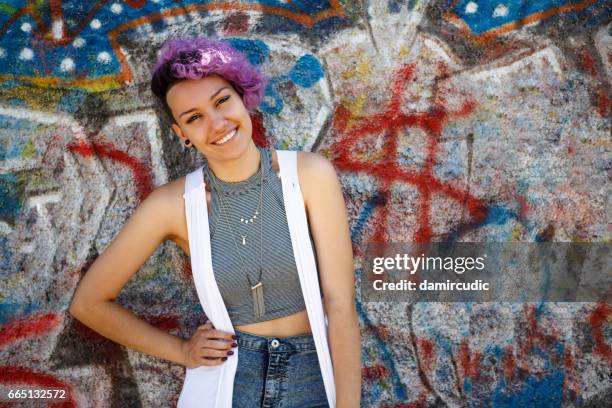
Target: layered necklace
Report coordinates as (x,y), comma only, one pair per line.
(257,287)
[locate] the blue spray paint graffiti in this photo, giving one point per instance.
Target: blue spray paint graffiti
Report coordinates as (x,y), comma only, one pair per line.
(77,43)
(256,51)
(10,202)
(306,72)
(17,307)
(546,392)
(482,16)
(362,218)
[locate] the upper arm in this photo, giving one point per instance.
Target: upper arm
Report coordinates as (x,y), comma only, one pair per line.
(328,222)
(153,222)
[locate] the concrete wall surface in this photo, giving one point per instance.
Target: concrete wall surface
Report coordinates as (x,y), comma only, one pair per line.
(463,120)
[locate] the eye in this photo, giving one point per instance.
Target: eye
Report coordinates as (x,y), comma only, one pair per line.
(193,117)
(223,100)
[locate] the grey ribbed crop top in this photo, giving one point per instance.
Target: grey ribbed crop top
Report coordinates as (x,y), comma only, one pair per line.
(282,291)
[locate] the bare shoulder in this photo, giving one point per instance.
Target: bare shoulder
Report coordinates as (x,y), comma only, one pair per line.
(166,203)
(313,165)
(168,195)
(316,174)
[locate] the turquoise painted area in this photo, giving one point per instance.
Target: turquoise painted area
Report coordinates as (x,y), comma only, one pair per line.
(368,207)
(256,51)
(374,394)
(13,309)
(545,392)
(14,136)
(307,71)
(16,102)
(10,201)
(497,215)
(467,385)
(72,100)
(496,350)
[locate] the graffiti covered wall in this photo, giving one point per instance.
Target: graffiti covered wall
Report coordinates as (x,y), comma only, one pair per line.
(446,120)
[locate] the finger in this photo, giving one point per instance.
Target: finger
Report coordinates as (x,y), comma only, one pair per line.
(213,362)
(215,344)
(211,353)
(221,335)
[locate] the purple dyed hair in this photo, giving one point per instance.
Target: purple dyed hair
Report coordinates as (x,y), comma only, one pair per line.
(199,57)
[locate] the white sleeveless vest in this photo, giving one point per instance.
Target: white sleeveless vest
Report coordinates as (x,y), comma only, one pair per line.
(213,386)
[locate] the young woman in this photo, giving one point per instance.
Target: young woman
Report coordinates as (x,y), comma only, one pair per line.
(283,328)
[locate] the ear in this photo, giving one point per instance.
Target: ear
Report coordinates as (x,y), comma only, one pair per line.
(178,131)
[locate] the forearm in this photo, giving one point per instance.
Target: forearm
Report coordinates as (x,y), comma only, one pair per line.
(345,344)
(122,326)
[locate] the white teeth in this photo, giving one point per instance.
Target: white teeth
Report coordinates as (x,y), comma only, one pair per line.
(226,138)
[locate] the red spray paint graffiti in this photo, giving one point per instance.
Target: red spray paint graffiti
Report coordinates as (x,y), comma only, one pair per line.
(14,377)
(31,326)
(375,372)
(597,319)
(426,349)
(141,172)
(387,170)
(469,361)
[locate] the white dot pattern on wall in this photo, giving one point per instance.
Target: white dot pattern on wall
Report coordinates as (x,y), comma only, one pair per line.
(500,11)
(104,57)
(67,65)
(26,54)
(471,7)
(78,42)
(95,24)
(116,8)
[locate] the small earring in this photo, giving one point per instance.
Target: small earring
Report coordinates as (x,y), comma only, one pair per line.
(187,143)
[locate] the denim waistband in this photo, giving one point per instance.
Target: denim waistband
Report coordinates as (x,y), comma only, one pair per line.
(302,342)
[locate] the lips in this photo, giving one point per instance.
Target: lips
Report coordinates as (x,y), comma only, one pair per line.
(229,136)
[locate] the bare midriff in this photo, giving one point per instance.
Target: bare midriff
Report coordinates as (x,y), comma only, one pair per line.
(292,325)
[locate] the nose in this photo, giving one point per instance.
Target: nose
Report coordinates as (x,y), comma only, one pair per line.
(218,123)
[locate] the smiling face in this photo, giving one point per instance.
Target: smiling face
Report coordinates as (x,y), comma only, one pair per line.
(211,114)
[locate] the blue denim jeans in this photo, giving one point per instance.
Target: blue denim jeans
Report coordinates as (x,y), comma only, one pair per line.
(276,372)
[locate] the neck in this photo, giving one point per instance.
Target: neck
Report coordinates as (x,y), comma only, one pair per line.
(238,169)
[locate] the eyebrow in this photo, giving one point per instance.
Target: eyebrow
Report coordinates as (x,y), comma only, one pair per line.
(211,97)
